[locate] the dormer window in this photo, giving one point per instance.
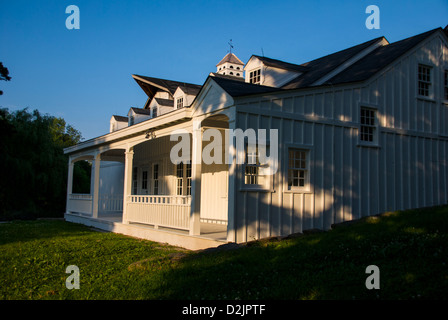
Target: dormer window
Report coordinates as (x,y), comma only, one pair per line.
(180,103)
(255,76)
(131,120)
(154,112)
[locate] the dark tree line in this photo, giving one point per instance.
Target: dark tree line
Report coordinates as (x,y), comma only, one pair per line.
(33,167)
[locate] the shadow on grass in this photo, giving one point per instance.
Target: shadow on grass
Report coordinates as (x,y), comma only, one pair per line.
(410,249)
(32,230)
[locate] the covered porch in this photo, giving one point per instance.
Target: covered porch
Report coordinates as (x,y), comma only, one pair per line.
(135,189)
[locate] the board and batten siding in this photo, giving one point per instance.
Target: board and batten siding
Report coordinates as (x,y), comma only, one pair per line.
(406,168)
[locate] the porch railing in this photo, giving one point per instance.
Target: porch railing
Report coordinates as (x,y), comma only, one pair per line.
(160,211)
(80,203)
(110,203)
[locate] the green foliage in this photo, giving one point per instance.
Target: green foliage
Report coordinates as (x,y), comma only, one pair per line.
(33,165)
(4,74)
(81,176)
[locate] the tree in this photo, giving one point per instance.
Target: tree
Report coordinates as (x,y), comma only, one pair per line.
(33,165)
(4,74)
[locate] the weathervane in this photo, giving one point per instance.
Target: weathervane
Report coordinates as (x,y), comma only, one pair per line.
(231,45)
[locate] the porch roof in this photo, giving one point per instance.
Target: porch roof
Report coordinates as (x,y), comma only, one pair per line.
(166,120)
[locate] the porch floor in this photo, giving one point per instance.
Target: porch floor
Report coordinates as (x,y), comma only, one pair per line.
(212,234)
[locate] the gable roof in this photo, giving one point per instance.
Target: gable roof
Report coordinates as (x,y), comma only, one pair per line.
(151,85)
(280,64)
(141,111)
(120,118)
(227,76)
(360,70)
(165,102)
(237,88)
(230,57)
(378,59)
(190,90)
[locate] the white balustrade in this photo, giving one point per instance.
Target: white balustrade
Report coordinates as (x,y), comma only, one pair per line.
(110,203)
(80,203)
(163,211)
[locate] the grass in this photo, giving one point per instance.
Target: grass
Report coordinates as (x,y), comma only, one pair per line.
(409,247)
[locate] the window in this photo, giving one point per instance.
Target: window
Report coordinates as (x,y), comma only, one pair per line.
(131,120)
(154,112)
(231,67)
(446,85)
(237,68)
(180,177)
(134,180)
(155,179)
(145,180)
(231,73)
(254,170)
(254,76)
(368,125)
(180,103)
(297,168)
(188,167)
(424,80)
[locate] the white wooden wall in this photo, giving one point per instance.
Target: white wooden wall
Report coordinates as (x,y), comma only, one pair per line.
(407,170)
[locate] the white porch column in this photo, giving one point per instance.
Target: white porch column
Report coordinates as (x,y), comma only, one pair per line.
(231,232)
(196,169)
(129,158)
(69,183)
(95,186)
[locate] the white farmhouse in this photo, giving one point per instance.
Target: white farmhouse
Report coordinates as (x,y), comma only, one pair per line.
(360,132)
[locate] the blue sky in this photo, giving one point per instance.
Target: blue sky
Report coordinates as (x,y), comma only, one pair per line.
(84,75)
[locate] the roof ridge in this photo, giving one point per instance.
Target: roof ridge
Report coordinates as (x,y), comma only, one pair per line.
(340,51)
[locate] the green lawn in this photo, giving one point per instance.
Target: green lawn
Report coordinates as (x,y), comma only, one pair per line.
(410,248)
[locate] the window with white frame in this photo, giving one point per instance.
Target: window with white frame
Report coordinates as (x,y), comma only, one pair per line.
(424,80)
(446,85)
(254,170)
(298,168)
(180,178)
(155,179)
(145,180)
(183,179)
(188,173)
(368,127)
(255,76)
(180,103)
